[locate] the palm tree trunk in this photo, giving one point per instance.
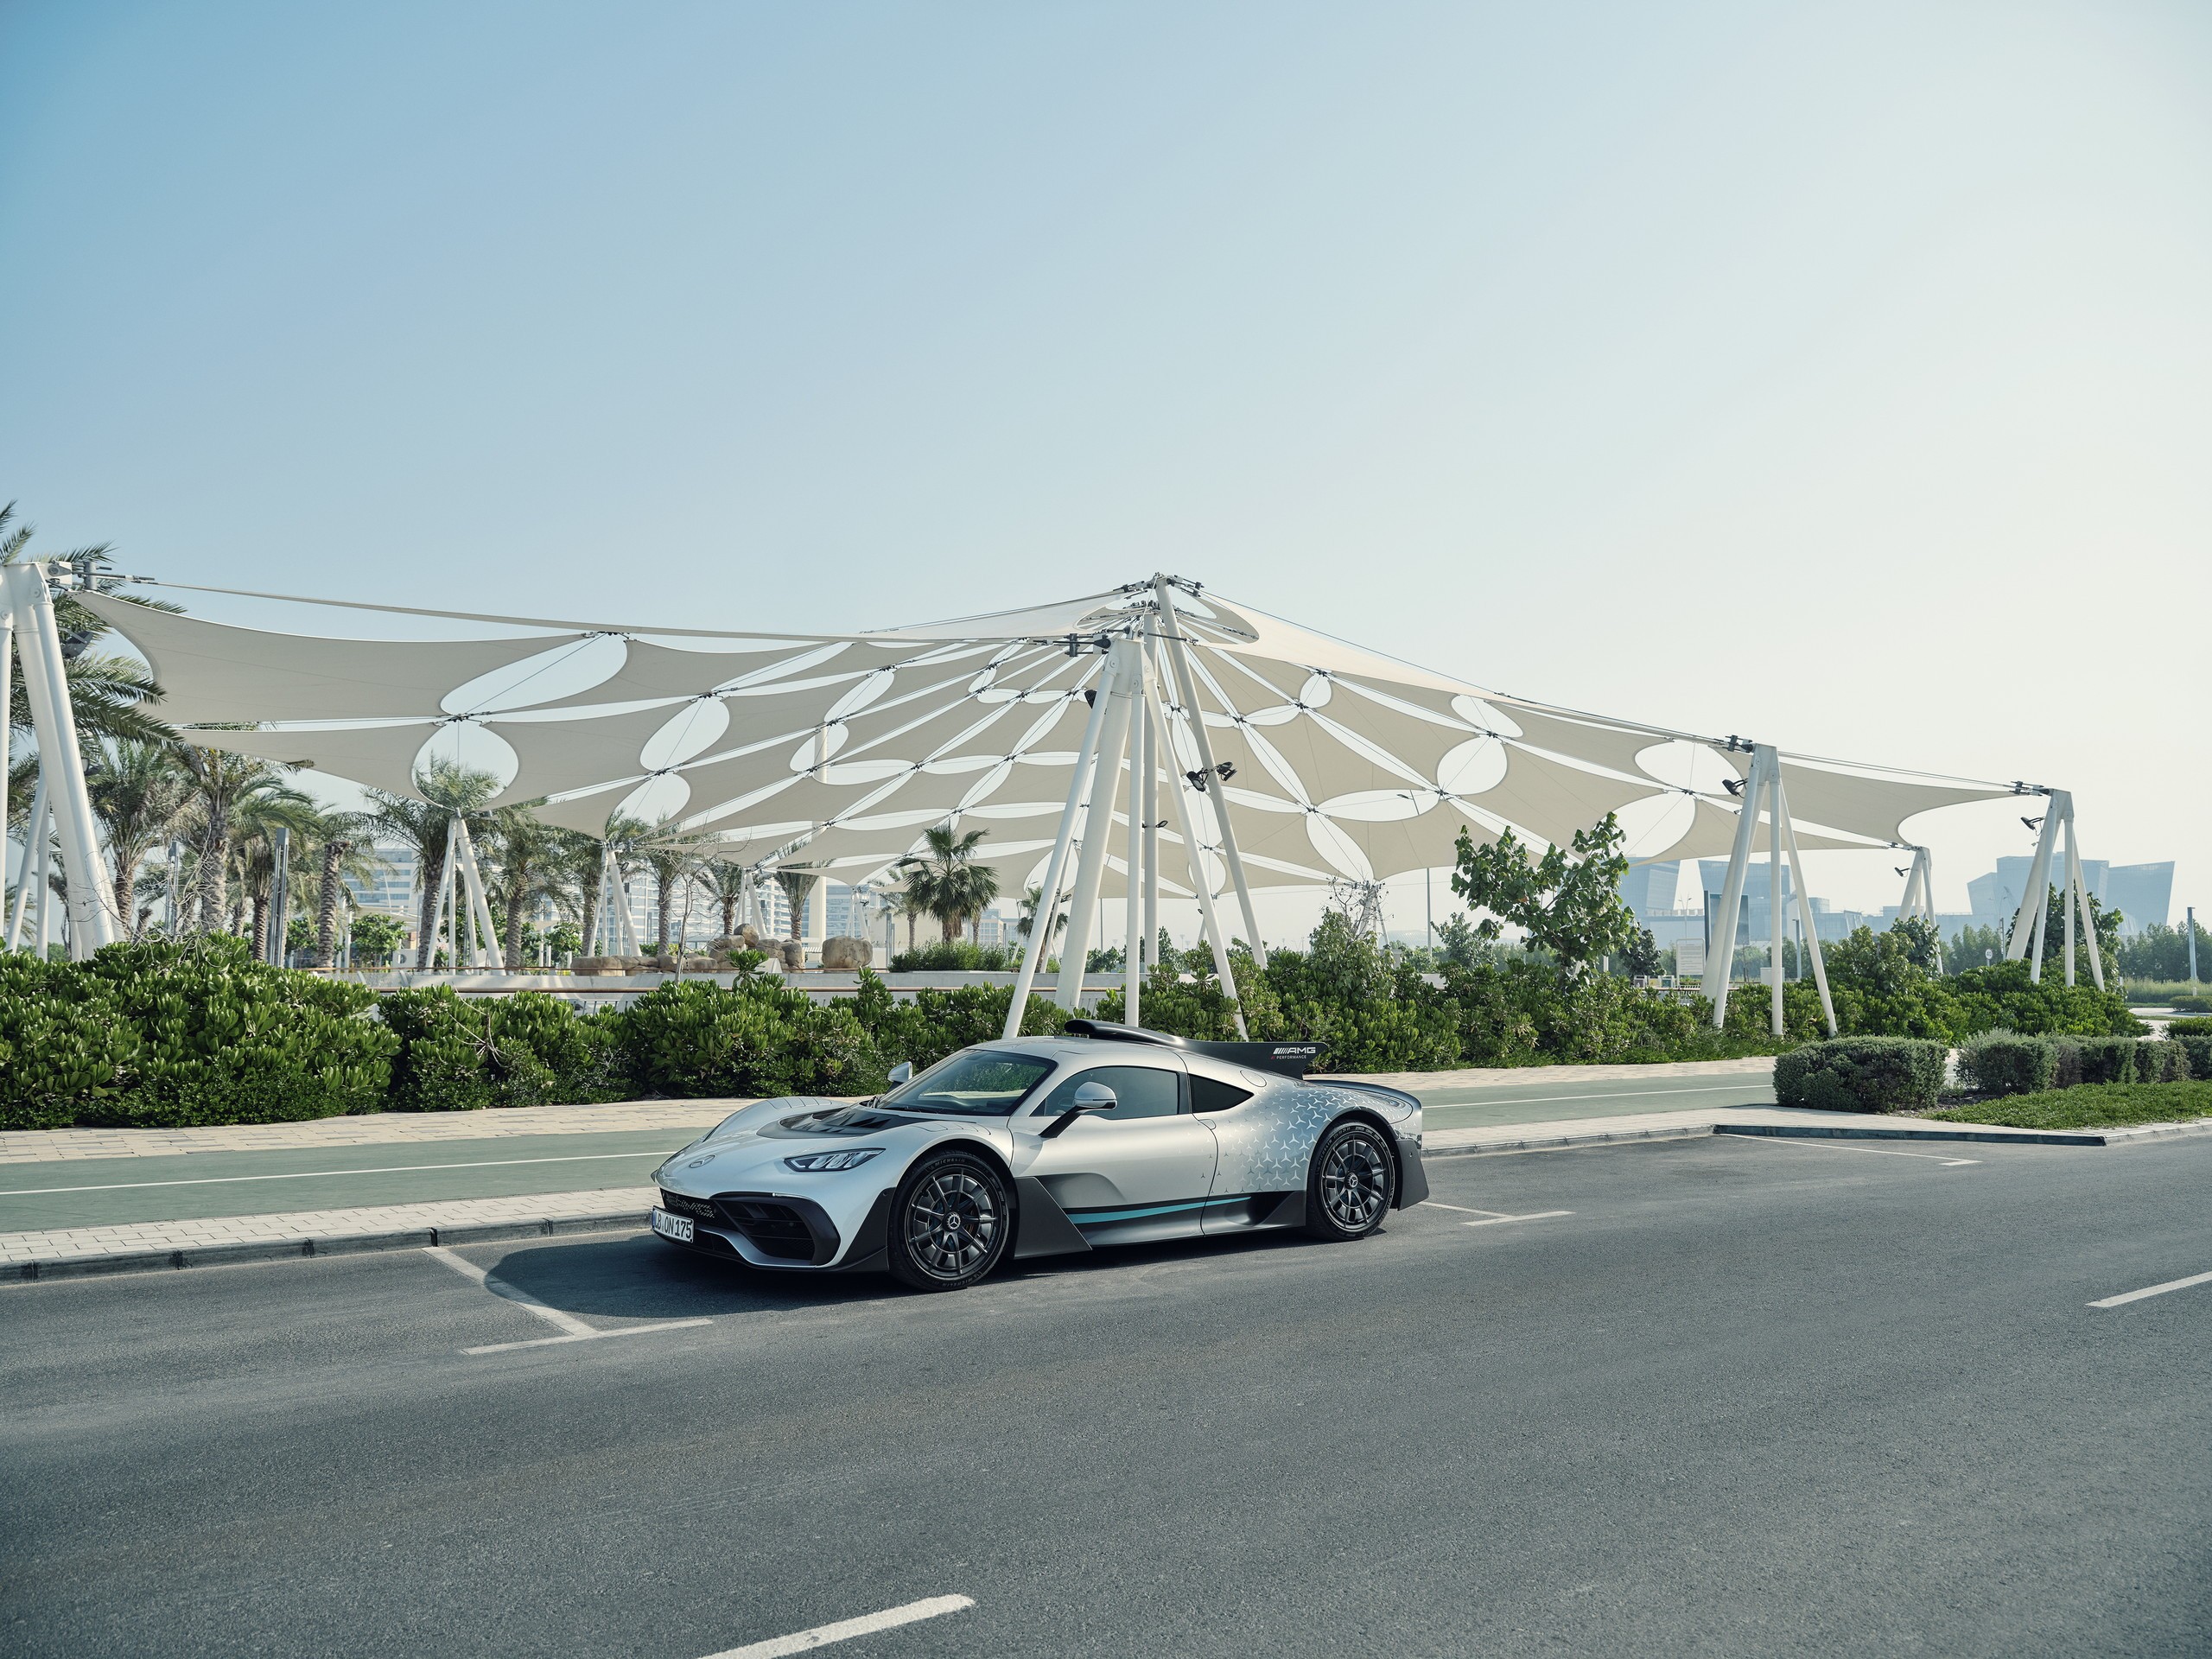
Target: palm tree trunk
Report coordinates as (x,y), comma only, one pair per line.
(261,927)
(661,897)
(325,921)
(729,915)
(126,881)
(511,952)
(214,860)
(591,916)
(434,872)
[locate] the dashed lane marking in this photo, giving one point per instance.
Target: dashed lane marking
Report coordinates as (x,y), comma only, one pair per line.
(1535,1214)
(1943,1158)
(2155,1290)
(590,1335)
(324,1174)
(867,1624)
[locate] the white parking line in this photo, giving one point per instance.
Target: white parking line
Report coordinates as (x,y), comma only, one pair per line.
(589,1335)
(1533,1215)
(467,1269)
(822,1635)
(2155,1290)
(1433,1204)
(1948,1162)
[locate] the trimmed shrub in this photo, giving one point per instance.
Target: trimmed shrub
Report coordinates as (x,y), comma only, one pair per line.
(2066,1072)
(64,1046)
(2162,1062)
(2197,1050)
(757,1039)
(2109,1060)
(2005,1063)
(1861,1074)
(2188,1027)
(220,1038)
(465,1054)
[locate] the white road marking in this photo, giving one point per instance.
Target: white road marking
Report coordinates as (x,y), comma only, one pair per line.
(552,1316)
(1828,1144)
(1536,1215)
(822,1635)
(2155,1290)
(1616,1094)
(1461,1207)
(319,1174)
(588,1336)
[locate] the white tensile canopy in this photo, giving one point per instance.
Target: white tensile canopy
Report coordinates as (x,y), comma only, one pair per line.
(1251,752)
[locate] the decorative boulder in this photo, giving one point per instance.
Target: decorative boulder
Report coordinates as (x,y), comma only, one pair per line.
(793,954)
(846,955)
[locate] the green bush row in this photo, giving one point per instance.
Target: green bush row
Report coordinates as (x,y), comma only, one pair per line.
(1862,1074)
(2007,1062)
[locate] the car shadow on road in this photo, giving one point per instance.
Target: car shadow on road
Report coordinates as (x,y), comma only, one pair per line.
(639,1277)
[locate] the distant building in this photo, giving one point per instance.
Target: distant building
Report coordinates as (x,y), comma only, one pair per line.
(389,888)
(2143,894)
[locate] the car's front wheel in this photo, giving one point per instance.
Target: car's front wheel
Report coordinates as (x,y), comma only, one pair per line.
(950,1223)
(1353,1179)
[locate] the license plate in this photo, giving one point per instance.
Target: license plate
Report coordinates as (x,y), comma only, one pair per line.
(676,1227)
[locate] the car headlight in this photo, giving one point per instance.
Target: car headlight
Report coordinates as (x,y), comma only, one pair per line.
(816,1163)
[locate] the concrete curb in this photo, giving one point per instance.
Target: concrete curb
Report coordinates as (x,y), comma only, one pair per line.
(286,1249)
(1554,1142)
(2111,1137)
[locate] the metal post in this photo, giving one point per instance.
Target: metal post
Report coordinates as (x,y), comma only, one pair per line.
(1133,900)
(34,827)
(2028,925)
(1172,631)
(2188,925)
(1774,896)
(2080,901)
(43,935)
(1788,831)
(46,681)
(486,940)
(1098,823)
(1732,892)
(279,894)
(1048,897)
(1148,802)
(444,905)
(1186,827)
(2072,887)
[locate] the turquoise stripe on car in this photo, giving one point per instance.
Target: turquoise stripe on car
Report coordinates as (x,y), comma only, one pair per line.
(1087,1217)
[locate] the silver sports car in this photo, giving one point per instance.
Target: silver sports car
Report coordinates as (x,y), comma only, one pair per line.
(1043,1147)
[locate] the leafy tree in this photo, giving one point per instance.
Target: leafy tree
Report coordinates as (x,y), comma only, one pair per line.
(1569,905)
(377,936)
(947,882)
(1640,956)
(1917,938)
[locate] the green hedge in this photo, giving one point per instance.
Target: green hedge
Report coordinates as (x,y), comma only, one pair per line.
(1862,1074)
(2005,1063)
(467,1053)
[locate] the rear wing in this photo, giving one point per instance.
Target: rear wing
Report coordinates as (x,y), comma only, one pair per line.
(1285,1060)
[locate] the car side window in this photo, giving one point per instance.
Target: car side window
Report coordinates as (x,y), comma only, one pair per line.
(1211,1094)
(1138,1091)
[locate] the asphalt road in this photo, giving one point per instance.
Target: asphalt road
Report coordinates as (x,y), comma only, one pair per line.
(94,1192)
(1745,1396)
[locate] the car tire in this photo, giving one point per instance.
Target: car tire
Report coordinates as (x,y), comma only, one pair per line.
(951,1222)
(1352,1182)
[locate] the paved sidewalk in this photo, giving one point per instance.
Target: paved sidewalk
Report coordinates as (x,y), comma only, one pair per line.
(1788,1121)
(369,1129)
(146,1245)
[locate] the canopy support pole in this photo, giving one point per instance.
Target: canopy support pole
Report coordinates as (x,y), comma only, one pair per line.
(1048,896)
(1186,681)
(1150,800)
(441,920)
(2079,900)
(2035,903)
(1715,982)
(487,952)
(46,682)
(1133,898)
(1119,696)
(34,851)
(1185,828)
(7,731)
(1774,913)
(1810,933)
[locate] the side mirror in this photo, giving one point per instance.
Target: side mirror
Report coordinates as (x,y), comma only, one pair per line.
(1093,1097)
(902,1073)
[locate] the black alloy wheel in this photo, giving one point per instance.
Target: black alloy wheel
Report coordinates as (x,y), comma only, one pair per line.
(949,1224)
(1354,1178)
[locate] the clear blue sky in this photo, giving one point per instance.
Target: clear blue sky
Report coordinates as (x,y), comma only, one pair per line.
(1840,374)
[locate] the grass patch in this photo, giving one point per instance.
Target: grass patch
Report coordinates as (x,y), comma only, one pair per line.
(2091,1106)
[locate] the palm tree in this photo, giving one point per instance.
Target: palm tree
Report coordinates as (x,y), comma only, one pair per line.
(138,791)
(260,815)
(526,852)
(799,886)
(725,885)
(673,859)
(222,783)
(347,850)
(1032,902)
(948,882)
(449,790)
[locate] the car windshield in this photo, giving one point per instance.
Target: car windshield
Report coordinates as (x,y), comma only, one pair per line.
(975,1082)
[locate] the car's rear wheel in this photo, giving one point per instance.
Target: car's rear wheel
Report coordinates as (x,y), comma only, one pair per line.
(950,1223)
(1351,1183)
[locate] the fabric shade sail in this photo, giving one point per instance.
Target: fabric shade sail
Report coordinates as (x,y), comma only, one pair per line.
(1344,764)
(211,672)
